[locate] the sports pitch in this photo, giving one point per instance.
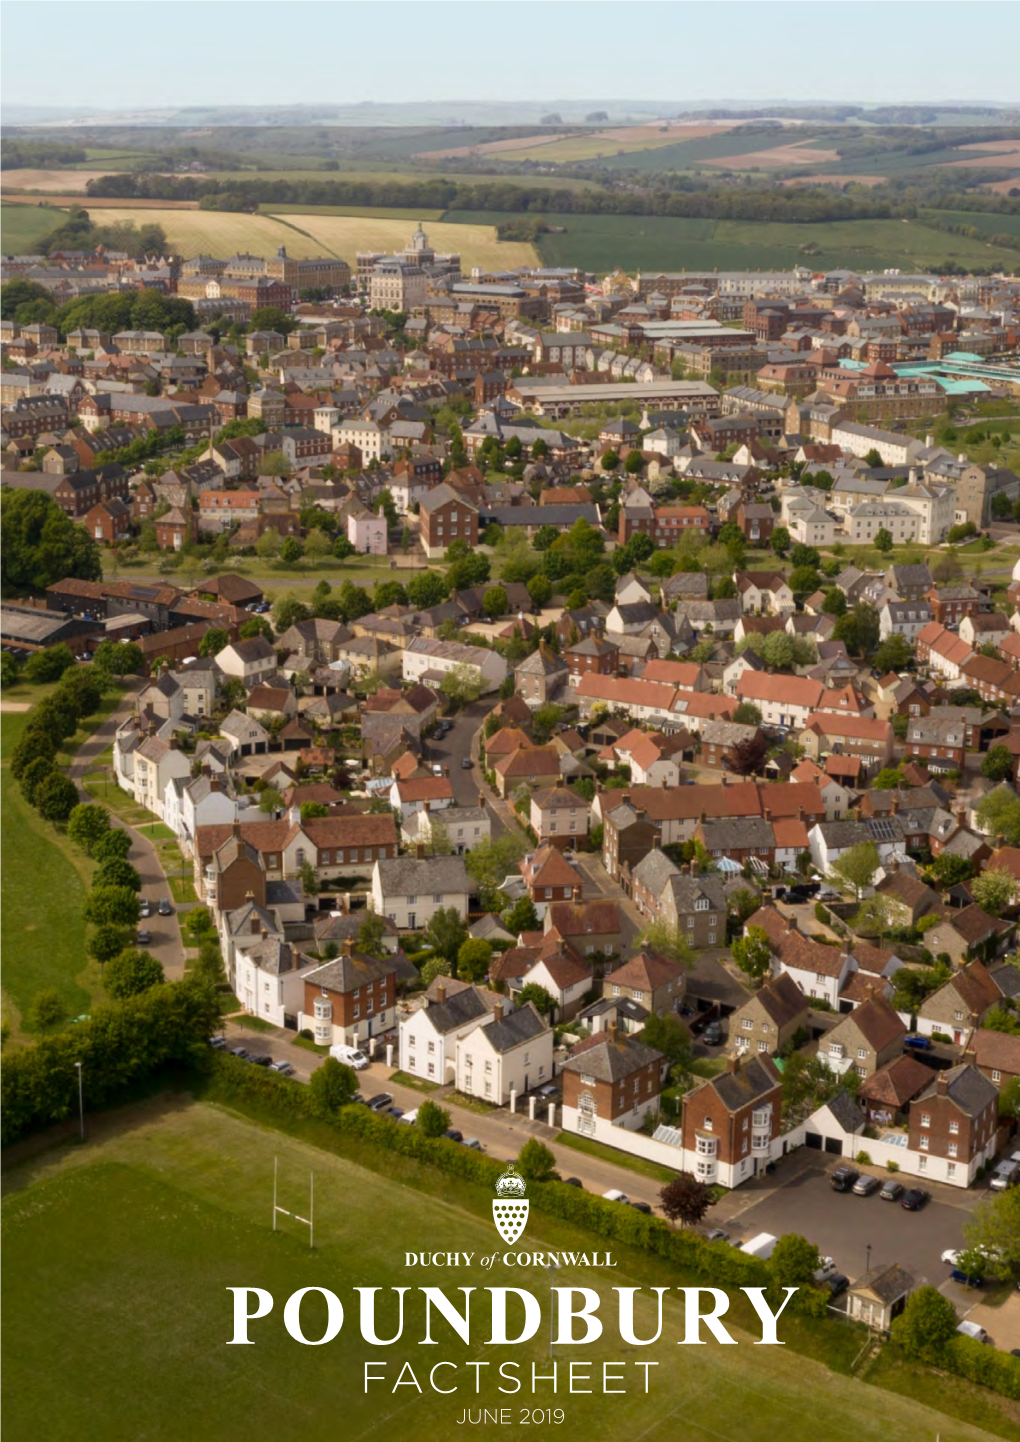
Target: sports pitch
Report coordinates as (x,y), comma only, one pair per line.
(119,1256)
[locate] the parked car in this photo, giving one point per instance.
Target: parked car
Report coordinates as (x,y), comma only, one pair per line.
(261,1058)
(474,1144)
(615,1196)
(573,1182)
(218,1042)
(964,1278)
(164,908)
(916,1040)
(844,1179)
(240,1051)
(466,763)
(913,1199)
(548,1091)
(837,1284)
(396,1113)
(350,1056)
(891,1191)
(410,1117)
(380,1102)
(642,1207)
(145,907)
(453,1134)
(713,1034)
(971,1329)
(283,1067)
(866,1186)
(437,770)
(144,936)
(716,1234)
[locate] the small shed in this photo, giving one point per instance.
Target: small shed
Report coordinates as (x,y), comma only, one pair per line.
(880,1295)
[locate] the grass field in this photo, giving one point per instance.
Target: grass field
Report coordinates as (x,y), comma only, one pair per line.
(314,232)
(638,242)
(23,226)
(120,1254)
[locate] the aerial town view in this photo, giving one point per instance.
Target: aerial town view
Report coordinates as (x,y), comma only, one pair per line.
(510,657)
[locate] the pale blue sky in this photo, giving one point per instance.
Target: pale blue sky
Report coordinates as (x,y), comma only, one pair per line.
(117,53)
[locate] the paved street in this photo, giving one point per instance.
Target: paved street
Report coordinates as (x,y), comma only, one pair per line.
(165,944)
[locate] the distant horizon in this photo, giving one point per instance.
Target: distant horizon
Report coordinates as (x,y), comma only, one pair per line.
(153,55)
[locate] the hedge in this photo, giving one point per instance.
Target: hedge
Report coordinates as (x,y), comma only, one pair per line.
(233,1079)
(984,1365)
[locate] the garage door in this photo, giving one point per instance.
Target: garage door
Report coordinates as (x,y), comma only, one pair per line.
(834,1146)
(813,1139)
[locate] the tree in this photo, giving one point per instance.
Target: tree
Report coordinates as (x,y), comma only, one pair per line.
(115,842)
(669,941)
(926,1325)
(427,589)
(635,463)
(536,1162)
(780,541)
(794,1261)
(747,714)
(446,932)
(106,942)
(540,590)
(994,1227)
(433,1120)
(685,1200)
(130,973)
(435,966)
(495,602)
(522,916)
(291,551)
(873,458)
(999,815)
(288,611)
(994,890)
(670,1035)
(56,797)
(214,640)
(473,958)
(371,935)
(744,903)
(33,776)
(803,580)
(748,757)
(491,862)
(834,603)
(119,658)
(752,953)
(857,866)
(543,1001)
(894,654)
(330,1087)
(890,778)
(997,764)
(49,665)
(270,800)
(117,872)
(256,626)
(948,870)
(858,629)
(883,541)
(461,685)
(111,905)
(46,1010)
(40,545)
(610,460)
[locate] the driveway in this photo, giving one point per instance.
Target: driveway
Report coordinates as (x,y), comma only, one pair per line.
(843,1226)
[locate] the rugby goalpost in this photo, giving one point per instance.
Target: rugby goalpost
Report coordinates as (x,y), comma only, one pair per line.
(308,1221)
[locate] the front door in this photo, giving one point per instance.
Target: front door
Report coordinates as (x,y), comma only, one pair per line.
(411,920)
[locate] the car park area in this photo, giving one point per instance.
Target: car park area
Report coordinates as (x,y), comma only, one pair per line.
(845,1226)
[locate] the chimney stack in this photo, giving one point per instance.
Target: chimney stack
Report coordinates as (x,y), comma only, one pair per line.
(237,830)
(264,933)
(894,805)
(942,1085)
(419,851)
(497,1011)
(694,866)
(349,946)
(441,993)
(733,1065)
(576,894)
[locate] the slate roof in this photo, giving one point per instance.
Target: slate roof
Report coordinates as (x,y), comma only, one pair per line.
(610,1058)
(753,1078)
(406,875)
(968,1088)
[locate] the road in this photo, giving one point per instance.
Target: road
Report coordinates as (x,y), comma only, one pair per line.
(165,942)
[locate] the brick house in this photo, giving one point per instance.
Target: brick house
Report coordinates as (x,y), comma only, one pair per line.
(949,604)
(770,1018)
(559,815)
(350,999)
(540,677)
(649,880)
(109,521)
(610,1080)
(596,654)
(446,517)
(549,876)
(591,927)
(731,1121)
(954,1124)
(175,528)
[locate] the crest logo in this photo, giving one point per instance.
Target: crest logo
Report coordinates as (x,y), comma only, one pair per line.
(510,1209)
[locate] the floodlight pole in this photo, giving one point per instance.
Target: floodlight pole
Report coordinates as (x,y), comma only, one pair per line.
(276,1168)
(81,1102)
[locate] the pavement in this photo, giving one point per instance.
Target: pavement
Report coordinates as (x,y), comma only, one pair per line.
(165,942)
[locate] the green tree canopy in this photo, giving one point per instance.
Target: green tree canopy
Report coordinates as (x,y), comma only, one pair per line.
(535,1162)
(87,825)
(130,973)
(40,545)
(331,1086)
(752,953)
(857,866)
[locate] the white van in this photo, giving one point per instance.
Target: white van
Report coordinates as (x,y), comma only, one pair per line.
(614,1196)
(409,1117)
(971,1329)
(1006,1174)
(763,1245)
(350,1056)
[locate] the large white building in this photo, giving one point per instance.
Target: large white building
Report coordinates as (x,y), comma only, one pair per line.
(428,660)
(511,1052)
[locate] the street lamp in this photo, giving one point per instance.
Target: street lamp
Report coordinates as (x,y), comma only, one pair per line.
(867,1258)
(81,1103)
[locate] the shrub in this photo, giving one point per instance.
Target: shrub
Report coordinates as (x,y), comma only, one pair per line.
(892,1166)
(864,1158)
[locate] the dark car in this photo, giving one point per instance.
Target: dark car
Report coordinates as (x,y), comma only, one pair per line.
(914,1199)
(144,936)
(453,1134)
(164,908)
(716,1234)
(642,1207)
(380,1101)
(844,1179)
(914,1039)
(964,1279)
(396,1113)
(837,1284)
(713,1033)
(573,1182)
(261,1058)
(892,1191)
(240,1051)
(466,763)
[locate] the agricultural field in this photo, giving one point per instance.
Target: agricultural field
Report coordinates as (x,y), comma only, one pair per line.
(983,221)
(477,244)
(370,212)
(56,182)
(23,226)
(138,1236)
(636,242)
